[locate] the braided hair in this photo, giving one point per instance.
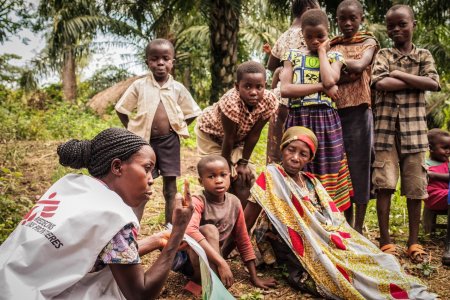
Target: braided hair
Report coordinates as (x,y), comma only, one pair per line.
(97,154)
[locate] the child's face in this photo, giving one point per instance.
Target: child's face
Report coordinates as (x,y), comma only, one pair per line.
(400,26)
(295,156)
(216,178)
(160,61)
(349,18)
(441,150)
(314,36)
(251,88)
(135,180)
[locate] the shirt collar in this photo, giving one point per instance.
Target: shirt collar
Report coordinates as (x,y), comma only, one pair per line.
(413,54)
(156,84)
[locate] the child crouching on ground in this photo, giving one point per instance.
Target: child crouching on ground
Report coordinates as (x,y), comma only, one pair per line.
(438,179)
(217,216)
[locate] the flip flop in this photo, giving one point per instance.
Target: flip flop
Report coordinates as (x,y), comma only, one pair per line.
(416,253)
(193,288)
(390,249)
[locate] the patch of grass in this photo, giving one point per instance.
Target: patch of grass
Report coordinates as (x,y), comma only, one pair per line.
(154,223)
(13,210)
(257,295)
(259,153)
(191,141)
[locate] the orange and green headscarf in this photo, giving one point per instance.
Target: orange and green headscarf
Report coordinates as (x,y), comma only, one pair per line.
(300,133)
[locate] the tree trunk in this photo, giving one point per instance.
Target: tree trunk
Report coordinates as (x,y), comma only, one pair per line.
(224,29)
(69,80)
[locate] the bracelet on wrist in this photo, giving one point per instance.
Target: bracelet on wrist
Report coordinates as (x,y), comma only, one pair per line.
(243,161)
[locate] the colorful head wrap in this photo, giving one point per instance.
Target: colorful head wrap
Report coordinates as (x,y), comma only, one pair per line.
(300,133)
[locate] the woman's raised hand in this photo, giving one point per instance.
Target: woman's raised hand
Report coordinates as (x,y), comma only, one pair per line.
(183,210)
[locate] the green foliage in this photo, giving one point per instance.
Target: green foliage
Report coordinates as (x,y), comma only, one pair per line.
(426,268)
(9,71)
(257,295)
(438,108)
(106,77)
(59,120)
(12,212)
(191,141)
(15,15)
(259,153)
(13,209)
(398,217)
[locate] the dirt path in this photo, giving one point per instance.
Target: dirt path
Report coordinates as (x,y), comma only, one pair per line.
(38,163)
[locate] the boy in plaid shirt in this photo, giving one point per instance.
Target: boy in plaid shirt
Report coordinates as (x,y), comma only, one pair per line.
(401,75)
(232,126)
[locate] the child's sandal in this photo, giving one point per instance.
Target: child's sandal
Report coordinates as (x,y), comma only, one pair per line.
(390,249)
(416,253)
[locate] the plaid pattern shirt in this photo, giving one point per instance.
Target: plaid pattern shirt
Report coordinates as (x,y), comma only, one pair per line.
(402,112)
(232,106)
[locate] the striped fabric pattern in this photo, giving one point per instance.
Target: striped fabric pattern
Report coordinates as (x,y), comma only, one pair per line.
(330,163)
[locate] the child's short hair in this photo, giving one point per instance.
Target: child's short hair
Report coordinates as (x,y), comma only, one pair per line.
(156,43)
(249,67)
(299,6)
(348,3)
(436,133)
(314,17)
(201,165)
(398,6)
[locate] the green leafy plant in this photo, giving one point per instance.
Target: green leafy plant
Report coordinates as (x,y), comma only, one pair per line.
(257,295)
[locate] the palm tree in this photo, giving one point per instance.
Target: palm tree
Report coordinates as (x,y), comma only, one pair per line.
(73,24)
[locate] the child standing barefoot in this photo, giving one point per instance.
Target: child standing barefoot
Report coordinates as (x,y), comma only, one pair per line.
(309,79)
(158,109)
(354,102)
(217,216)
(401,75)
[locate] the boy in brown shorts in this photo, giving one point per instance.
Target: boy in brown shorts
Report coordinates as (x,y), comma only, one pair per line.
(159,109)
(232,126)
(401,75)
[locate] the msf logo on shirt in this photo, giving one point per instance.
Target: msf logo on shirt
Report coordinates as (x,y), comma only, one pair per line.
(44,208)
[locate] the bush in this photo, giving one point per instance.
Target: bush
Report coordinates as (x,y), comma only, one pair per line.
(56,120)
(12,212)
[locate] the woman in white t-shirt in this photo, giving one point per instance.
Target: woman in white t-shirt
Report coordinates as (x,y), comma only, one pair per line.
(79,241)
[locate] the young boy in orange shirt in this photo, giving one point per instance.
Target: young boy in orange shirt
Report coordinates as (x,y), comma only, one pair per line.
(217,217)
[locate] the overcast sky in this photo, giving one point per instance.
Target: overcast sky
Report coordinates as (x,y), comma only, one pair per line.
(35,43)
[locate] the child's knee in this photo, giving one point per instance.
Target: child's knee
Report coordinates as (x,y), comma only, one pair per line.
(210,232)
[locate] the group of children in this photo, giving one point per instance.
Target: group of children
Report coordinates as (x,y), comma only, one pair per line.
(328,84)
